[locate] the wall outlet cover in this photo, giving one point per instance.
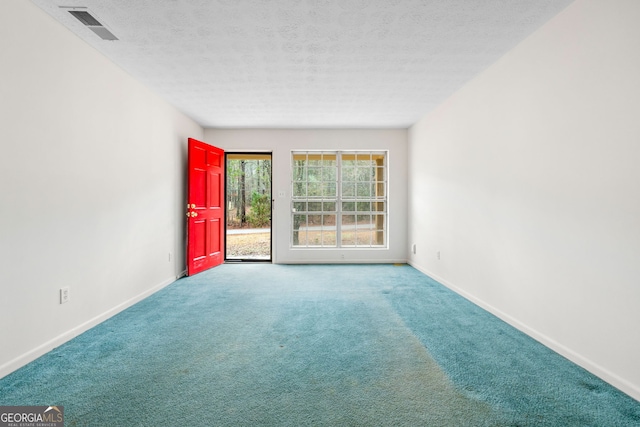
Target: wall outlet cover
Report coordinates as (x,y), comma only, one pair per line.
(64,295)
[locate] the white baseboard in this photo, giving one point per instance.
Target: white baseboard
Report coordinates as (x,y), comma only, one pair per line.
(606,375)
(342,261)
(42,349)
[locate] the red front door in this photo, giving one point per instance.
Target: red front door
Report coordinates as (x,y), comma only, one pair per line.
(205,207)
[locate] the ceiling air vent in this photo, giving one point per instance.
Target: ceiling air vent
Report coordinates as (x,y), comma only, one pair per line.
(92,23)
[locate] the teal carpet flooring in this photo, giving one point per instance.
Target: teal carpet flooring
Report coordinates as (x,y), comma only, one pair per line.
(331,345)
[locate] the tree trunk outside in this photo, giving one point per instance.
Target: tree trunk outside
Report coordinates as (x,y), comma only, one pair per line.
(243,198)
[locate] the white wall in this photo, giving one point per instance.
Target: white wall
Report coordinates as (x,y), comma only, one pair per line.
(527,182)
(91,186)
(281,142)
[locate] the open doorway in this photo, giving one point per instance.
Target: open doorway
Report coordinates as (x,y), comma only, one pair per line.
(248,207)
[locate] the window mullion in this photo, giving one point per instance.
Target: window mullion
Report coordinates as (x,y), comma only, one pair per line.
(339,200)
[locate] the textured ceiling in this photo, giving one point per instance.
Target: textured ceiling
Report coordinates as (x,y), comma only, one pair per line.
(307,63)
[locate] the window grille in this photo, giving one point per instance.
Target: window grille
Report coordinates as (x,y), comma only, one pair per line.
(339,199)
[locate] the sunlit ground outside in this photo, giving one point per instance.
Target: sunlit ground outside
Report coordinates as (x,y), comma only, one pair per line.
(256,245)
(312,237)
(248,244)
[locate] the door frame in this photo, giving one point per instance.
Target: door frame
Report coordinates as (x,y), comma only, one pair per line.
(226,213)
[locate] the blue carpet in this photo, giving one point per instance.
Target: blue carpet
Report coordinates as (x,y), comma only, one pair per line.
(336,345)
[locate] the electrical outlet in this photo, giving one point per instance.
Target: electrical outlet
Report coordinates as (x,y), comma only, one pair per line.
(170,257)
(64,295)
(282,194)
(413,249)
(438,254)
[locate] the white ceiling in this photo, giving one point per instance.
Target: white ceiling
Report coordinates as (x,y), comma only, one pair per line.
(307,63)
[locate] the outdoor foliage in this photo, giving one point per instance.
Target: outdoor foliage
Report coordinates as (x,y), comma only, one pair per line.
(248,193)
(260,213)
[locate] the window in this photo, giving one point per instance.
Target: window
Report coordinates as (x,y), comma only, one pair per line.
(339,199)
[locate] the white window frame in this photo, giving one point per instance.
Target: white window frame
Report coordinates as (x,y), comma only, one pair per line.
(348,203)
